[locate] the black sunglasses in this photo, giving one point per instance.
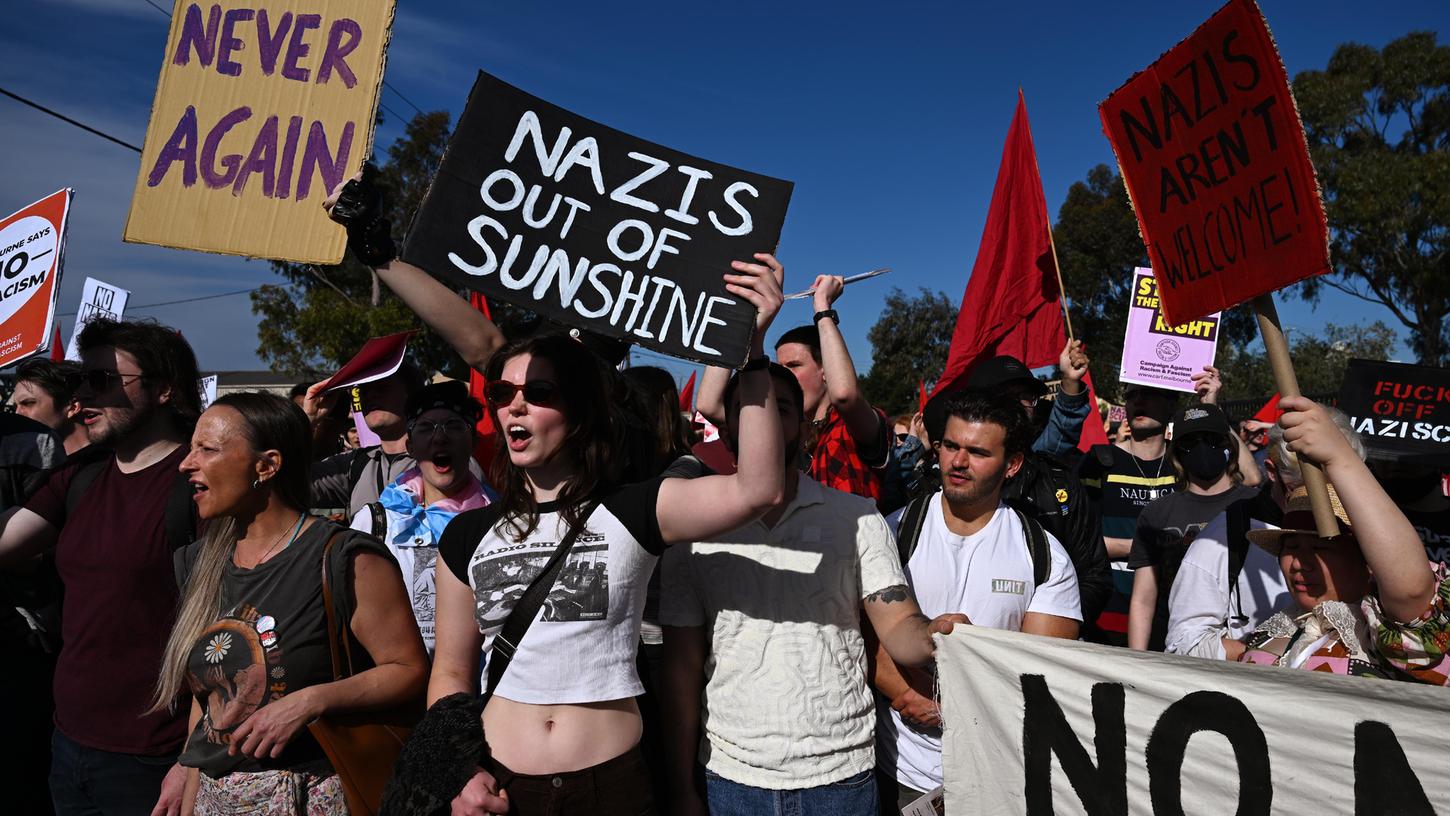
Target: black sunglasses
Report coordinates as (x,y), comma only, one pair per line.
(536,392)
(99,380)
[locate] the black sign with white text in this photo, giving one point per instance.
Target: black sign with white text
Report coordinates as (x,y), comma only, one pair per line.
(1401,411)
(595,228)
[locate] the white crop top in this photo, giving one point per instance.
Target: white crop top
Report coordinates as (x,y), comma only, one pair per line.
(581,647)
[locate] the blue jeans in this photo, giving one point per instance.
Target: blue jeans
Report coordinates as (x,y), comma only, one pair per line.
(852,796)
(91,782)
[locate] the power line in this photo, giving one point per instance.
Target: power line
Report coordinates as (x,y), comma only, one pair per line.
(43,109)
(399,93)
(158,8)
(175,302)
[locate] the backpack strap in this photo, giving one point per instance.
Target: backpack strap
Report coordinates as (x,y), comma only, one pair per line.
(84,477)
(379,519)
(1104,455)
(913,519)
(1037,548)
(360,459)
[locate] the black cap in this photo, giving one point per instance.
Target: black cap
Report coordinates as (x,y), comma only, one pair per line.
(999,371)
(1199,419)
(450,395)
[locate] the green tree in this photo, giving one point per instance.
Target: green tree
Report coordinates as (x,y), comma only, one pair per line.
(1098,245)
(320,316)
(1319,361)
(909,343)
(1378,126)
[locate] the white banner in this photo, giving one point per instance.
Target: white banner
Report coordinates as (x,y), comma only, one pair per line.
(1039,726)
(98,299)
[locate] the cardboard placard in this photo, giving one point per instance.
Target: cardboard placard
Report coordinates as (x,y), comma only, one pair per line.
(98,299)
(1157,353)
(262,107)
(1214,158)
(1402,411)
(595,228)
(32,255)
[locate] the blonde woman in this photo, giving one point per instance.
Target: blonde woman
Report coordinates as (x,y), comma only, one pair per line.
(250,641)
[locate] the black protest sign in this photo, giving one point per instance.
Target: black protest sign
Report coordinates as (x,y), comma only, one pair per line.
(595,228)
(1401,411)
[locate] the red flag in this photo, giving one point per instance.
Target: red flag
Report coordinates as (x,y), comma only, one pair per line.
(1270,412)
(483,448)
(1093,432)
(921,396)
(687,395)
(57,349)
(1012,304)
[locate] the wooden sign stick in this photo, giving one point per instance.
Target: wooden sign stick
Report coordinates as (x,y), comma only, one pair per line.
(1278,348)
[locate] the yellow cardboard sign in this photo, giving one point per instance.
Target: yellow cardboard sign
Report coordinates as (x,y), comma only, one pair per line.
(262,107)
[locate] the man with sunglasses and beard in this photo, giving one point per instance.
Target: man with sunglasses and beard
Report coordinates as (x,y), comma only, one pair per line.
(139,399)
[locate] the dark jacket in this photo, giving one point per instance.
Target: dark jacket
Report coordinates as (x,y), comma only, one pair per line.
(1048,490)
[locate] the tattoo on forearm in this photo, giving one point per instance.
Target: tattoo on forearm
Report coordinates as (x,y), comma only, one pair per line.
(891,594)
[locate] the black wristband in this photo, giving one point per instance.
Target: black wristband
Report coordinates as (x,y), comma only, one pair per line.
(756,363)
(825,313)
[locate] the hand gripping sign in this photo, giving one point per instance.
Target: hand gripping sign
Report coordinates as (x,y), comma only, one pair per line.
(32,249)
(595,228)
(263,106)
(1215,161)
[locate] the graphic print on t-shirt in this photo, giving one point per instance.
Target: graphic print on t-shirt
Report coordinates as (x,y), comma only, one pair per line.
(234,665)
(580,592)
(425,589)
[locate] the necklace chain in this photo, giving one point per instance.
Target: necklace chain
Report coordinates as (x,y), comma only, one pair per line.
(1143,473)
(290,527)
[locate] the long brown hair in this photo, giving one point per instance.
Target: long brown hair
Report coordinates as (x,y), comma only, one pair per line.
(594,443)
(269,422)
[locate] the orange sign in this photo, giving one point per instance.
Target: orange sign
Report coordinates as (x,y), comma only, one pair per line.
(32,246)
(1214,158)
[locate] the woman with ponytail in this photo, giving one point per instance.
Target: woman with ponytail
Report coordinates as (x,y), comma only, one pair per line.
(250,642)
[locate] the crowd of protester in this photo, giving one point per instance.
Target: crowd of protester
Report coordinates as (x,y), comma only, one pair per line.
(617,617)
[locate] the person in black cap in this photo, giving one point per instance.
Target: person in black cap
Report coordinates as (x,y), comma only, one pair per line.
(1070,407)
(1211,470)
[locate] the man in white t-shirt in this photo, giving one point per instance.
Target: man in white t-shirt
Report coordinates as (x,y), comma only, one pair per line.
(971,554)
(765,664)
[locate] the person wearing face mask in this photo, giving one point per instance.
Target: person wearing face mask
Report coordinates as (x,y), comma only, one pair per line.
(411,512)
(1212,471)
(1420,494)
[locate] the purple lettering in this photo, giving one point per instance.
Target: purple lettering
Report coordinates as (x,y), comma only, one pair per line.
(289,156)
(337,51)
(269,41)
(231,161)
(296,49)
(180,147)
(315,157)
(261,160)
(195,35)
(224,63)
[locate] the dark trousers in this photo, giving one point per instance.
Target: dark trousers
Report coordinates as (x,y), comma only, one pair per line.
(617,787)
(27,712)
(90,782)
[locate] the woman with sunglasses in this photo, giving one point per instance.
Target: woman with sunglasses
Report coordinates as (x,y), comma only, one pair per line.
(562,729)
(1213,472)
(412,512)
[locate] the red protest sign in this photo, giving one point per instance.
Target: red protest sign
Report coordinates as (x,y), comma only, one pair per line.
(32,245)
(1214,158)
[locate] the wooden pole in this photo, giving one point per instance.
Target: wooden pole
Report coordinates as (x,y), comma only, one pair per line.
(1278,348)
(1061,289)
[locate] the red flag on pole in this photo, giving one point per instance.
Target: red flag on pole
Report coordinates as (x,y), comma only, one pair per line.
(921,396)
(483,448)
(687,395)
(1012,303)
(57,348)
(1270,412)
(1093,432)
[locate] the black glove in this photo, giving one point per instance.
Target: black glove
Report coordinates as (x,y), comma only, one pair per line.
(360,208)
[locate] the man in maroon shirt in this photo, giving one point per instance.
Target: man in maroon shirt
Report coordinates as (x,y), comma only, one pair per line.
(138,401)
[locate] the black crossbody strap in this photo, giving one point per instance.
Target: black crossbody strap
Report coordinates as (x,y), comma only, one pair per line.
(908,530)
(1037,548)
(506,642)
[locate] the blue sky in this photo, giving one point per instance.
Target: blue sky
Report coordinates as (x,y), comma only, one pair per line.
(889,118)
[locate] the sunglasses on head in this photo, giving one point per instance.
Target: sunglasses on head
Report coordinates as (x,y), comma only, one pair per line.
(536,392)
(99,380)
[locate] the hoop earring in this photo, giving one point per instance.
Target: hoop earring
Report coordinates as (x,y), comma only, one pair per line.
(256,483)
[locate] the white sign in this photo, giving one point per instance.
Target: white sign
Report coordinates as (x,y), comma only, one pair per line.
(207,386)
(1040,726)
(98,299)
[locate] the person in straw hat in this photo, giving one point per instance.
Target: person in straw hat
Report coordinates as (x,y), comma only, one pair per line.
(1368,602)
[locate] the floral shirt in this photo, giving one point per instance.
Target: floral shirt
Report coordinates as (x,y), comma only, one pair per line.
(1361,641)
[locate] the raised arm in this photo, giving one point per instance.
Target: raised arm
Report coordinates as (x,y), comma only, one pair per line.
(358,205)
(710,394)
(698,509)
(1405,584)
(841,386)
